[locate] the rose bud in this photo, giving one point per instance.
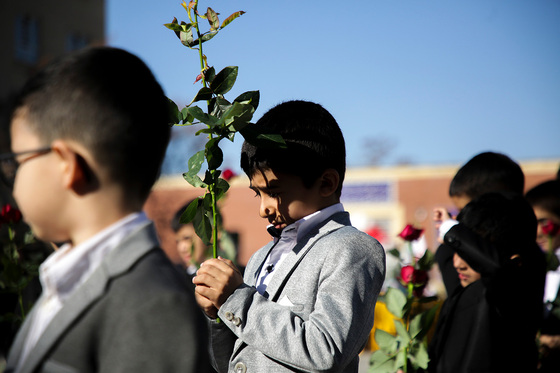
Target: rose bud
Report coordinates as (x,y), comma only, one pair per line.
(550,228)
(10,214)
(227,174)
(407,273)
(409,233)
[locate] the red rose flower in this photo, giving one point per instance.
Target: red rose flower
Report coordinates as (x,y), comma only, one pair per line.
(10,214)
(550,228)
(411,274)
(409,233)
(377,233)
(407,274)
(417,277)
(228,174)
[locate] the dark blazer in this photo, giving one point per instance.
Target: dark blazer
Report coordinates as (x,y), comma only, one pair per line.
(134,314)
(490,325)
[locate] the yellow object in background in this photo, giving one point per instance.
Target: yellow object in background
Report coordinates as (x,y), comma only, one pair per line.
(384,320)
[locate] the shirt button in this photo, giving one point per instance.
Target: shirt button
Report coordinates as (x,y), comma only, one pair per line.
(228,315)
(240,368)
(236,321)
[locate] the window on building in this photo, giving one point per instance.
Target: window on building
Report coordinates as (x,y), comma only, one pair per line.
(75,41)
(27,39)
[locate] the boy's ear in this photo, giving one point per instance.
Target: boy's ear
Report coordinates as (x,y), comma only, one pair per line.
(74,168)
(329,182)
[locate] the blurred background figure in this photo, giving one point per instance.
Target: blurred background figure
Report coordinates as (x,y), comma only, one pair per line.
(190,247)
(496,310)
(545,200)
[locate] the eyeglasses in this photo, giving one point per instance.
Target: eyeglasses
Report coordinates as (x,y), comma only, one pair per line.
(9,164)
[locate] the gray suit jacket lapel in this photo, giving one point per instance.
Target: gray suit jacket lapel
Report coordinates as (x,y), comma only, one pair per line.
(259,259)
(118,261)
(17,346)
(274,288)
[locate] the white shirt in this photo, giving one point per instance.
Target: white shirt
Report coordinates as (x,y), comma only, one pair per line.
(552,283)
(68,268)
(288,239)
(445,226)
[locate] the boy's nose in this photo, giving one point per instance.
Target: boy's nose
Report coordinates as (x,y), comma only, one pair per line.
(266,208)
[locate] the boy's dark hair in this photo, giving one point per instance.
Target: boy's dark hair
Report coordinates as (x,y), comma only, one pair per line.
(314,143)
(504,219)
(487,172)
(546,196)
(107,100)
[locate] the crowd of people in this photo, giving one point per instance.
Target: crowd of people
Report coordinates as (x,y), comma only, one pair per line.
(88,135)
(493,271)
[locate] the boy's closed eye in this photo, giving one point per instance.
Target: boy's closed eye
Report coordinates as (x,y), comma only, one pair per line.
(269,193)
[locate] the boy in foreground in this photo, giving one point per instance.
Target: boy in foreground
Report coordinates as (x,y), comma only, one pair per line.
(89,134)
(307,299)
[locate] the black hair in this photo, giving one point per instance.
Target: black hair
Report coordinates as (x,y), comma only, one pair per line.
(107,100)
(496,236)
(487,172)
(546,196)
(506,220)
(314,143)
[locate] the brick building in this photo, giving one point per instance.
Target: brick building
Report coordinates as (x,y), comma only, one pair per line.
(383,200)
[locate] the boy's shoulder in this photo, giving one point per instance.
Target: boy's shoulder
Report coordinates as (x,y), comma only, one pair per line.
(337,236)
(339,227)
(350,239)
(139,263)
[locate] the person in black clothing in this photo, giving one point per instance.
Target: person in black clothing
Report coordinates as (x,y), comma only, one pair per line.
(545,199)
(489,323)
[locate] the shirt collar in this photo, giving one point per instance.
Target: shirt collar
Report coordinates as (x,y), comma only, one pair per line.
(301,227)
(68,267)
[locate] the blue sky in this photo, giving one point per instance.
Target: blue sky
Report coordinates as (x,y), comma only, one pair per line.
(438,81)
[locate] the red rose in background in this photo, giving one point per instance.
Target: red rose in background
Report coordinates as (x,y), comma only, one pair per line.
(228,174)
(409,233)
(417,277)
(420,280)
(411,274)
(10,214)
(407,273)
(377,233)
(550,228)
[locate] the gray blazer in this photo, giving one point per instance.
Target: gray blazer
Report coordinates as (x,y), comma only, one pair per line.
(317,312)
(134,314)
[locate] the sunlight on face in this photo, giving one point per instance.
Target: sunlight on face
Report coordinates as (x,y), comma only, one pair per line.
(39,197)
(284,199)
